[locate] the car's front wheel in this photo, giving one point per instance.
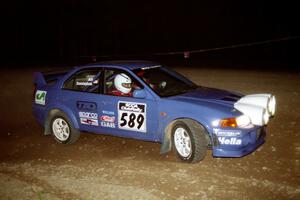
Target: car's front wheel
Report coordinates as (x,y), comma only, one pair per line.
(189,141)
(62,129)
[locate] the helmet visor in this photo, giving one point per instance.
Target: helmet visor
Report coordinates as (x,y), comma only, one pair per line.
(126,85)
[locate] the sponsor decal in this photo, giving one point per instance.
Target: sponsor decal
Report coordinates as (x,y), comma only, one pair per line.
(107,118)
(108,124)
(88,115)
(40,97)
(151,67)
(86,121)
(88,118)
(108,112)
(226,133)
(84,105)
(84,83)
(129,106)
(230,141)
(90,76)
(132,116)
(107,121)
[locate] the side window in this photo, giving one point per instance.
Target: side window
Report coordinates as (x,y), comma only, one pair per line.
(119,83)
(87,80)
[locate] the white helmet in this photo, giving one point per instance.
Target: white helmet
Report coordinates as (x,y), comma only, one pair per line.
(123,83)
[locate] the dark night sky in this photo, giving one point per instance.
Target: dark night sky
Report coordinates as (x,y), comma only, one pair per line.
(70,29)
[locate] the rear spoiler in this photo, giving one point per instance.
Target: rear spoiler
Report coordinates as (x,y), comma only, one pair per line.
(39,79)
(49,78)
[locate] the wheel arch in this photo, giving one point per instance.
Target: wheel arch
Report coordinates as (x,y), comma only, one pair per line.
(53,111)
(166,145)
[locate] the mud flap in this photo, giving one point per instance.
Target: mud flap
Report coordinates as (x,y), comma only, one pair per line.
(47,130)
(167,144)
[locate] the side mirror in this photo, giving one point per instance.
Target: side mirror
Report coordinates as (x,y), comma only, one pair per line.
(140,93)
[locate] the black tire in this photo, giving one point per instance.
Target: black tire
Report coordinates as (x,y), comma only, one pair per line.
(73,133)
(198,141)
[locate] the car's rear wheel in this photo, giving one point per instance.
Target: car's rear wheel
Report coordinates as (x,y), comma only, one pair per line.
(63,130)
(189,141)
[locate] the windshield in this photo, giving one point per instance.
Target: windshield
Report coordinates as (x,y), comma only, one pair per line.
(165,82)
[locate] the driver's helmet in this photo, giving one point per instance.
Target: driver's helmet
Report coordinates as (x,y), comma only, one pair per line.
(123,83)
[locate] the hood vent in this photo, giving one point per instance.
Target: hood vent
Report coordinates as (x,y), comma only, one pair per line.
(231,97)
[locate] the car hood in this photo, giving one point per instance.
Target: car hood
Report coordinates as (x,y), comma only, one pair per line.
(211,95)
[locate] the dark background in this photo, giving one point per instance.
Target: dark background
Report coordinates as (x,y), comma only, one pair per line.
(70,32)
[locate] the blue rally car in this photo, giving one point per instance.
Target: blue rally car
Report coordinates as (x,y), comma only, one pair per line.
(146,101)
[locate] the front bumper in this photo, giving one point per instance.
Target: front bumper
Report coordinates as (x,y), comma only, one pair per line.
(238,143)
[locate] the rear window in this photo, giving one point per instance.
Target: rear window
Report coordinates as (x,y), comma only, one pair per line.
(87,80)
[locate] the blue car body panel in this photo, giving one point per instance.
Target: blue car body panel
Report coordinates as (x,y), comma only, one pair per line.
(100,113)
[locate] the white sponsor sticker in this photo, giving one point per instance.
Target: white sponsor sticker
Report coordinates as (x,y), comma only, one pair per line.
(107,118)
(89,118)
(86,121)
(132,116)
(88,115)
(40,97)
(108,124)
(84,83)
(156,66)
(230,141)
(228,133)
(107,121)
(108,112)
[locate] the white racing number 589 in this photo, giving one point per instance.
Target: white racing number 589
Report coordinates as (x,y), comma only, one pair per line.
(132,116)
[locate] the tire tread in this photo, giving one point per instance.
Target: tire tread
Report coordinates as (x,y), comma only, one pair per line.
(198,133)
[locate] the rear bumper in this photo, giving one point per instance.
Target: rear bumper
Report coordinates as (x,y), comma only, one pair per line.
(251,140)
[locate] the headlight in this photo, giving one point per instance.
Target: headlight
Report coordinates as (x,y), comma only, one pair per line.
(242,122)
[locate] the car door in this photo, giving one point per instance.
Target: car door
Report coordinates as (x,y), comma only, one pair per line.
(124,114)
(81,94)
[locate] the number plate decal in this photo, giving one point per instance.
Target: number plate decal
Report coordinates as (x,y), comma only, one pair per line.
(132,116)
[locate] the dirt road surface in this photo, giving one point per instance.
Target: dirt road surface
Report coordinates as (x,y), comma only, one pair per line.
(33,166)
